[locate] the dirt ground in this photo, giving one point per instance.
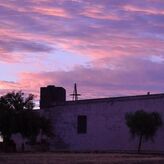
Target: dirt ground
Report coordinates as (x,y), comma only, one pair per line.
(79,158)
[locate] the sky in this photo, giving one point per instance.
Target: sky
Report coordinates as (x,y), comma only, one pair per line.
(108,47)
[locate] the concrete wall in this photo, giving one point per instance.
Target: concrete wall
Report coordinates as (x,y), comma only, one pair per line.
(106,128)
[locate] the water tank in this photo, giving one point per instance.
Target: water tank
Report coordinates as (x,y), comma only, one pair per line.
(51,95)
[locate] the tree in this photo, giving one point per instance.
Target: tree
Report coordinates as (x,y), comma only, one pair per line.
(17,101)
(29,126)
(143,125)
(7,121)
(17,116)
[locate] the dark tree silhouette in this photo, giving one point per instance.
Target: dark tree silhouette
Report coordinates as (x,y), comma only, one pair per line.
(17,101)
(143,125)
(17,116)
(7,121)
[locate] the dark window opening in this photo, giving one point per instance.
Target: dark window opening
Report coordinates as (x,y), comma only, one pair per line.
(82,124)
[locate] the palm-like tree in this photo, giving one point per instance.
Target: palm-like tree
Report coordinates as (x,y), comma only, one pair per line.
(17,116)
(17,101)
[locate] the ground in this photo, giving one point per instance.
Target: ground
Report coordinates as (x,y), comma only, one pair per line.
(79,158)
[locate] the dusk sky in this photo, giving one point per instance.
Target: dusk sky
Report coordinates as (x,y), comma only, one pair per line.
(108,47)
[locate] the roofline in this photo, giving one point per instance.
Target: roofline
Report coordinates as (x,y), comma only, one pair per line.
(112,99)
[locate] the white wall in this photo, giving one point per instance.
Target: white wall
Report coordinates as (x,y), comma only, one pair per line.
(106,128)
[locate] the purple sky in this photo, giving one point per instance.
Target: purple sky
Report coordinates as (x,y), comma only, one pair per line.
(108,47)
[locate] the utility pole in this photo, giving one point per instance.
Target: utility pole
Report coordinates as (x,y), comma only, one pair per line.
(75,94)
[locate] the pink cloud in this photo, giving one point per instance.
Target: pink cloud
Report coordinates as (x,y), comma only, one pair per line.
(149,10)
(8,86)
(58,12)
(114,77)
(98,12)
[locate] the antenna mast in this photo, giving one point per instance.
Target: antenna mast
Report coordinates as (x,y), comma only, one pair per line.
(75,94)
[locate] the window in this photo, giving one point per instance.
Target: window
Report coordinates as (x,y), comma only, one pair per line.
(82,124)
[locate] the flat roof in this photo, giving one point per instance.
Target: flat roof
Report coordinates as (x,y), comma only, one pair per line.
(112,99)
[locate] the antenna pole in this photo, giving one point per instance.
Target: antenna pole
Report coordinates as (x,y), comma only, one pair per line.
(75,93)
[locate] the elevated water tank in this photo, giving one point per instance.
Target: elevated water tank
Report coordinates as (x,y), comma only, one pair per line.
(51,95)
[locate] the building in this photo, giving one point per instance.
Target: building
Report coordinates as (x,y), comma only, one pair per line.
(98,124)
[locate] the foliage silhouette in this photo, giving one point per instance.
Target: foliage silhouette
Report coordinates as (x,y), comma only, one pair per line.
(17,116)
(143,125)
